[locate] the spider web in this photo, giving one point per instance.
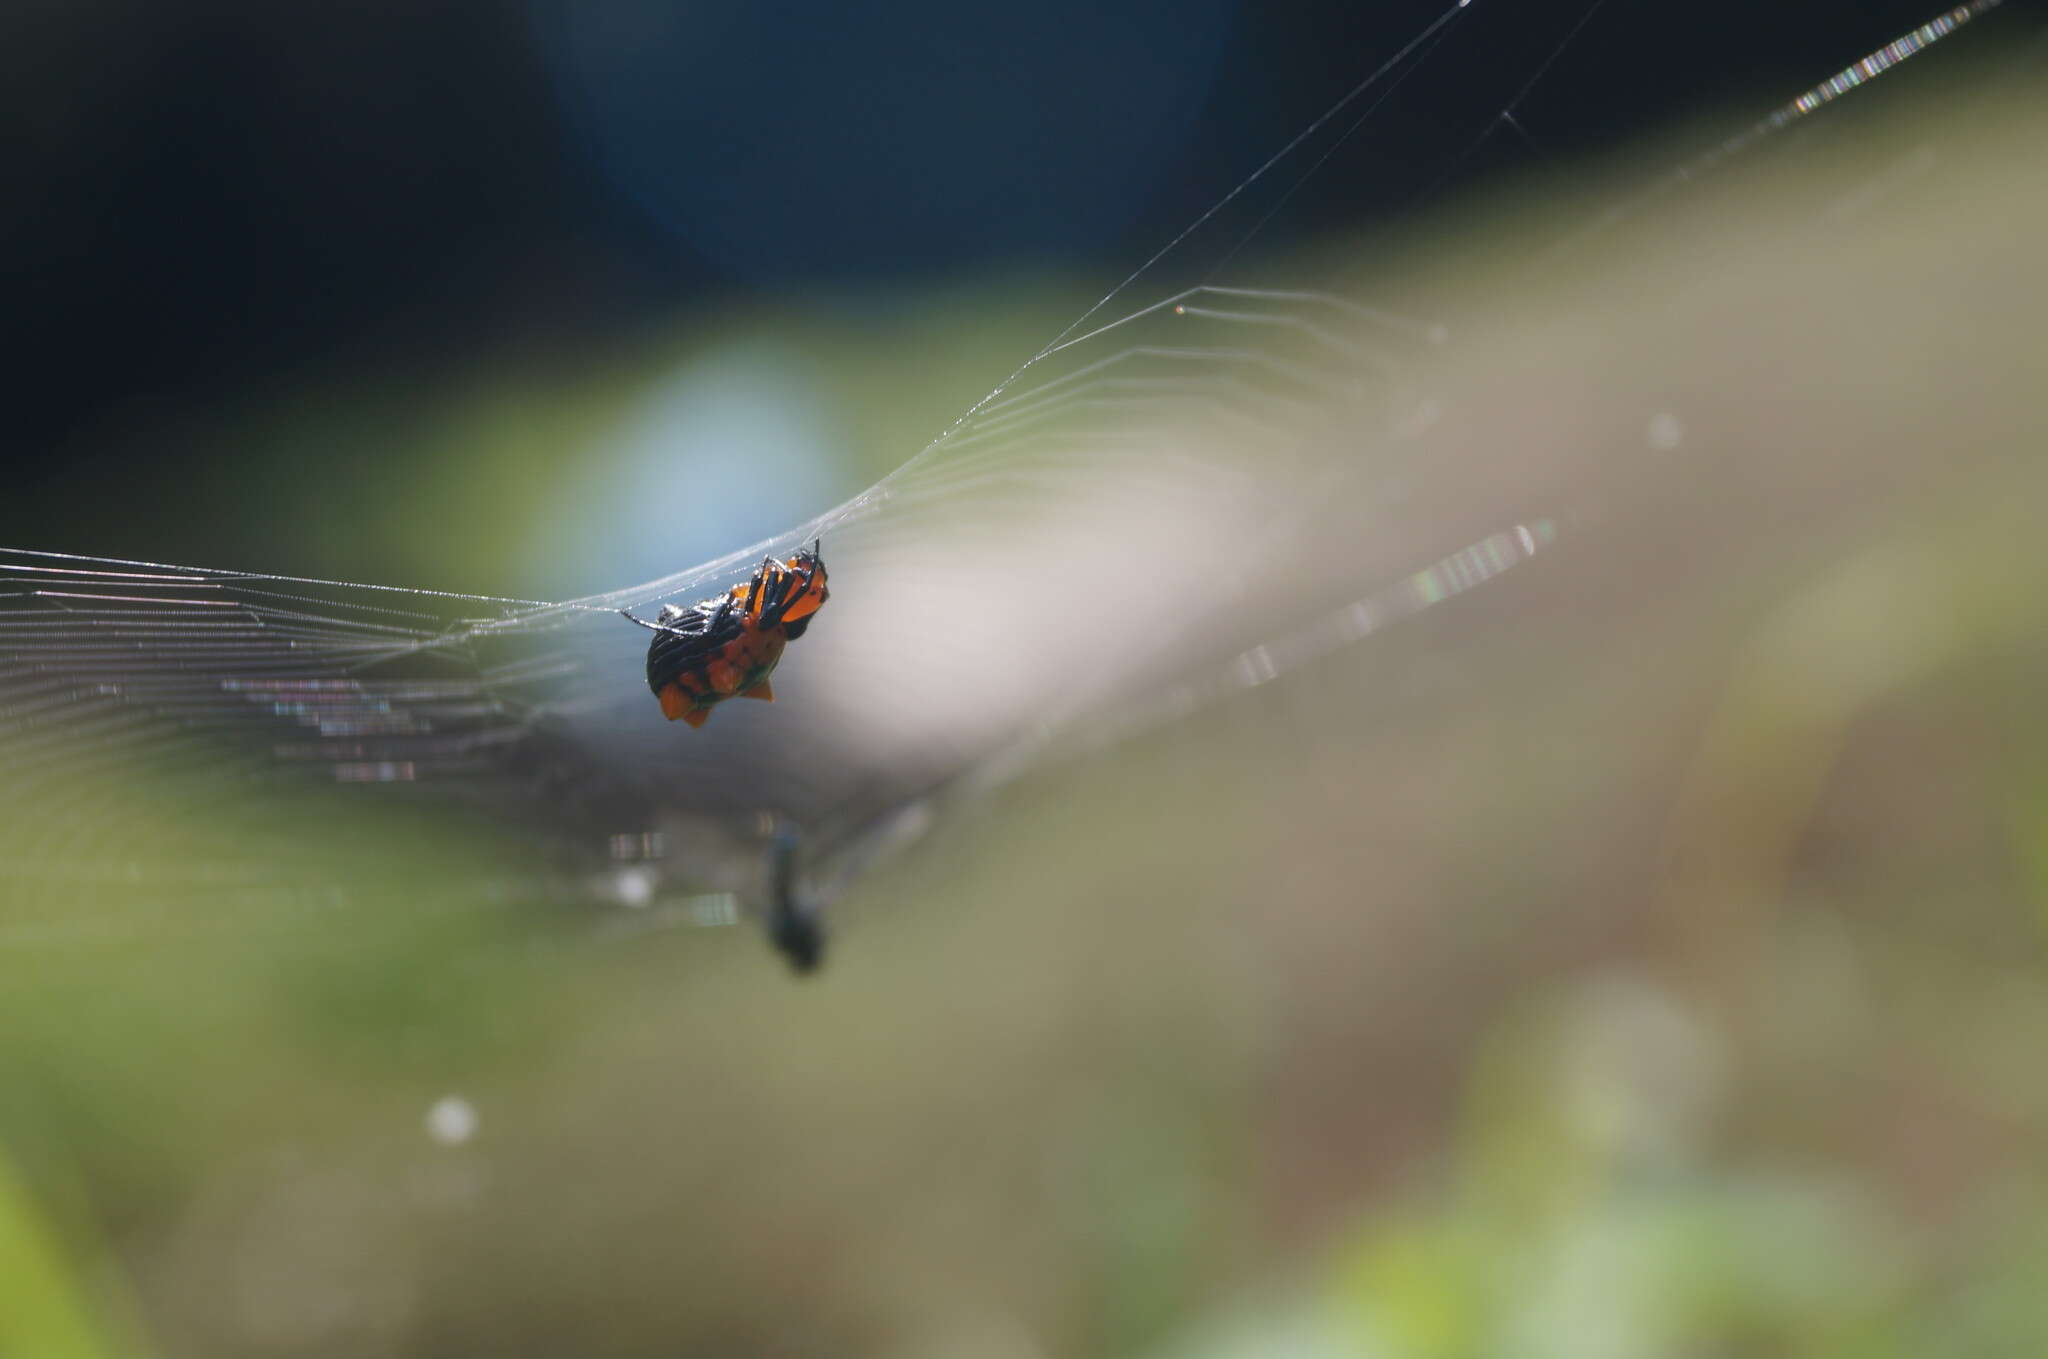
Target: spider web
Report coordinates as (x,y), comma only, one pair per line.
(1167,504)
(965,582)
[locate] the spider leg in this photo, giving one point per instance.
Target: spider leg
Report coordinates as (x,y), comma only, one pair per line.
(793,581)
(803,578)
(670,628)
(765,581)
(779,596)
(748,593)
(627,614)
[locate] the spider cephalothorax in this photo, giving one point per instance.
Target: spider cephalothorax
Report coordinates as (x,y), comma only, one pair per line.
(728,645)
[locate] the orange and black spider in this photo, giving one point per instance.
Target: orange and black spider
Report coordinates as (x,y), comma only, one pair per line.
(727,646)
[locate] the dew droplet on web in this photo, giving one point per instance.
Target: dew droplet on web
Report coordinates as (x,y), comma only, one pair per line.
(1665,432)
(451,1121)
(633,888)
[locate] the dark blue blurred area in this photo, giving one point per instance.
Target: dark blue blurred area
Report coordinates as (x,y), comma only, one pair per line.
(795,143)
(210,198)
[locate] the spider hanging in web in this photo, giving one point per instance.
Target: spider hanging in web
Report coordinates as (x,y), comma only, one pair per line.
(727,646)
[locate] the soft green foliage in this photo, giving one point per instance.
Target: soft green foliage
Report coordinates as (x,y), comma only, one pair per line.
(46,1311)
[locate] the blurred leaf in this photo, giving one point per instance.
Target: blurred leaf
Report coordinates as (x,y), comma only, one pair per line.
(44,1311)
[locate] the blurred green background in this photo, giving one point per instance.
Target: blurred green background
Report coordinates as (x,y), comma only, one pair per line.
(1639,956)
